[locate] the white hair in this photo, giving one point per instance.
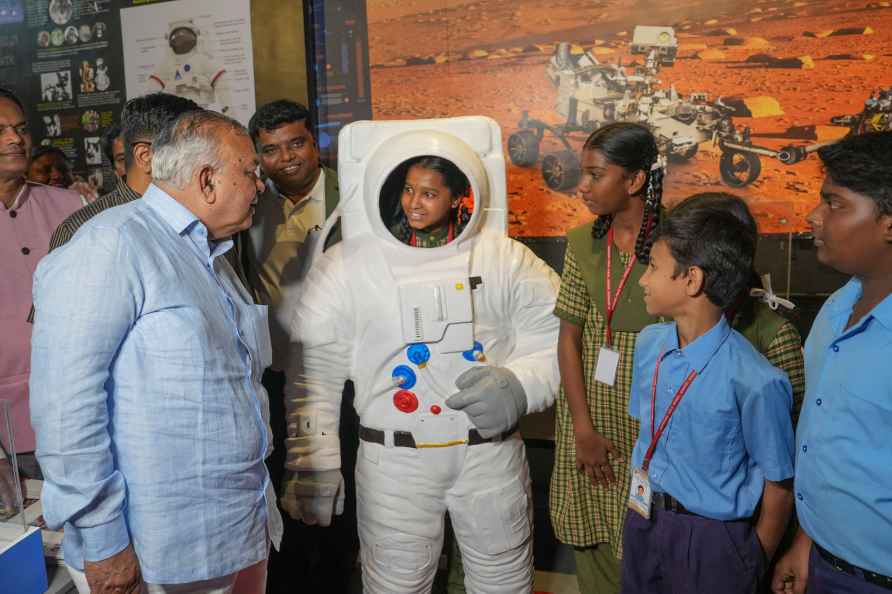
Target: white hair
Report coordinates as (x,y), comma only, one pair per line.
(187,144)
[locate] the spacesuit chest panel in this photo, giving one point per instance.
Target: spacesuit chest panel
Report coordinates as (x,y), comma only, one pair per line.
(438,311)
(435,301)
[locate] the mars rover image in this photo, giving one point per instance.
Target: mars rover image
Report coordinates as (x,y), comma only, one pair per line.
(591,93)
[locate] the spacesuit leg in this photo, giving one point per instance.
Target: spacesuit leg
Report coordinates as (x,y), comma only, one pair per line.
(400,511)
(491,511)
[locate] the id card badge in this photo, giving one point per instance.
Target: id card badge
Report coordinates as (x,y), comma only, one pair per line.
(640,495)
(605,368)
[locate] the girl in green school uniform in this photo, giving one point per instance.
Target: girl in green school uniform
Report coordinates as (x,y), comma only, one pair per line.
(600,317)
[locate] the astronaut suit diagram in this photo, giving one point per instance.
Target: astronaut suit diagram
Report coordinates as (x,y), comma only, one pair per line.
(189,71)
(469,322)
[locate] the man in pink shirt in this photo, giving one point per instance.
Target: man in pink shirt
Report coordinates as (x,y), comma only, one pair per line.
(29,214)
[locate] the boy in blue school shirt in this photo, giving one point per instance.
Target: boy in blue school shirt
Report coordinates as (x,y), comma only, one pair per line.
(715,451)
(843,480)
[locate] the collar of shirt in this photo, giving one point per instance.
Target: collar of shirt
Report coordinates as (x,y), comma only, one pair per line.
(317,194)
(699,352)
(22,196)
(126,191)
(185,223)
(843,302)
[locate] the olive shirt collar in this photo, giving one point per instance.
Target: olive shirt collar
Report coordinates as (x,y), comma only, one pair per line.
(591,257)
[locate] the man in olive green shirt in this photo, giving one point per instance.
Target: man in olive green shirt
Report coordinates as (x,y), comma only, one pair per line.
(299,196)
(277,252)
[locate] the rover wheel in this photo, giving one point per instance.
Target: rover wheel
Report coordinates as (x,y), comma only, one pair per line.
(685,155)
(739,169)
(523,148)
(561,170)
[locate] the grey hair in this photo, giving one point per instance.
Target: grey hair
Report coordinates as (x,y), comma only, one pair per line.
(189,143)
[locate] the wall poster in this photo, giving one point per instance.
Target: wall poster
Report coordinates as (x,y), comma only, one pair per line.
(62,57)
(66,60)
(200,49)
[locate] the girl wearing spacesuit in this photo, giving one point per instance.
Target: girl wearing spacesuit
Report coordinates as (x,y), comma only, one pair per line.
(448,346)
(434,195)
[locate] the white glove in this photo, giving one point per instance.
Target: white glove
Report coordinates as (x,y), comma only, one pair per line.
(492,397)
(313,496)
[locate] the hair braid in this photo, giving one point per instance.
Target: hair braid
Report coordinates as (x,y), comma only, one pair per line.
(651,216)
(601,226)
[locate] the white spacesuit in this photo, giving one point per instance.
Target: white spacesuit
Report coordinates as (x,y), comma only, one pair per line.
(188,71)
(406,324)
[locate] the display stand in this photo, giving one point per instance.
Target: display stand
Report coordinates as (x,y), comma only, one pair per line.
(22,567)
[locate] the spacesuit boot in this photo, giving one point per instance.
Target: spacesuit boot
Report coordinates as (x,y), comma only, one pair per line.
(407,324)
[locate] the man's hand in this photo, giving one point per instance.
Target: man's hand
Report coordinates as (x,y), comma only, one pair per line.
(313,497)
(791,571)
(594,452)
(492,397)
(119,574)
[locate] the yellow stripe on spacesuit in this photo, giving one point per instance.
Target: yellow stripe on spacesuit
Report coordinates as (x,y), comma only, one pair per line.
(445,444)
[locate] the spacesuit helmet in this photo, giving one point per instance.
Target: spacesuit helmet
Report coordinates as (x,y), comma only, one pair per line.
(371,158)
(182,36)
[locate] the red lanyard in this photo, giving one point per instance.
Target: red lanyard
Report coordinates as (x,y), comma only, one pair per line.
(449,236)
(611,302)
(656,434)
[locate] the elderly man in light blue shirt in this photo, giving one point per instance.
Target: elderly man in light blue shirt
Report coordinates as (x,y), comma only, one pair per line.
(151,421)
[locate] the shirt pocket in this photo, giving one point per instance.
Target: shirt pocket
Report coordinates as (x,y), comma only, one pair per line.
(170,337)
(706,438)
(173,356)
(869,408)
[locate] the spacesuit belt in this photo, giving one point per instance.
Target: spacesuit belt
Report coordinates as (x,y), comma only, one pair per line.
(404,439)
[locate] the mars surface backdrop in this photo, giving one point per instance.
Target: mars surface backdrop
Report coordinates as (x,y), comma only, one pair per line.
(781,73)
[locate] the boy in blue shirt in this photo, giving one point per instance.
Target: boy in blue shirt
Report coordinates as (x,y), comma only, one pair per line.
(843,480)
(715,451)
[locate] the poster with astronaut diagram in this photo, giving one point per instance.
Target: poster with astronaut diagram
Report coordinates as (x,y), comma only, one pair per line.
(199,49)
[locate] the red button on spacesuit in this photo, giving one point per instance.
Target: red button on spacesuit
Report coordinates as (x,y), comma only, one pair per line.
(405,401)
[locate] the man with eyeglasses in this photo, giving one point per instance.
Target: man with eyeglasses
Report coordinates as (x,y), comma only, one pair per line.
(29,213)
(152,426)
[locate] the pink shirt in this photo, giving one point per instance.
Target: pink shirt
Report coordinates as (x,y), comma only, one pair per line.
(25,231)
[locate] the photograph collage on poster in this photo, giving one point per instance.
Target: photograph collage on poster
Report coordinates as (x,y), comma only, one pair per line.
(72,57)
(66,59)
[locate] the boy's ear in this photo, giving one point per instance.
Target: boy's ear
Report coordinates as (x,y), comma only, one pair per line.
(142,155)
(696,281)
